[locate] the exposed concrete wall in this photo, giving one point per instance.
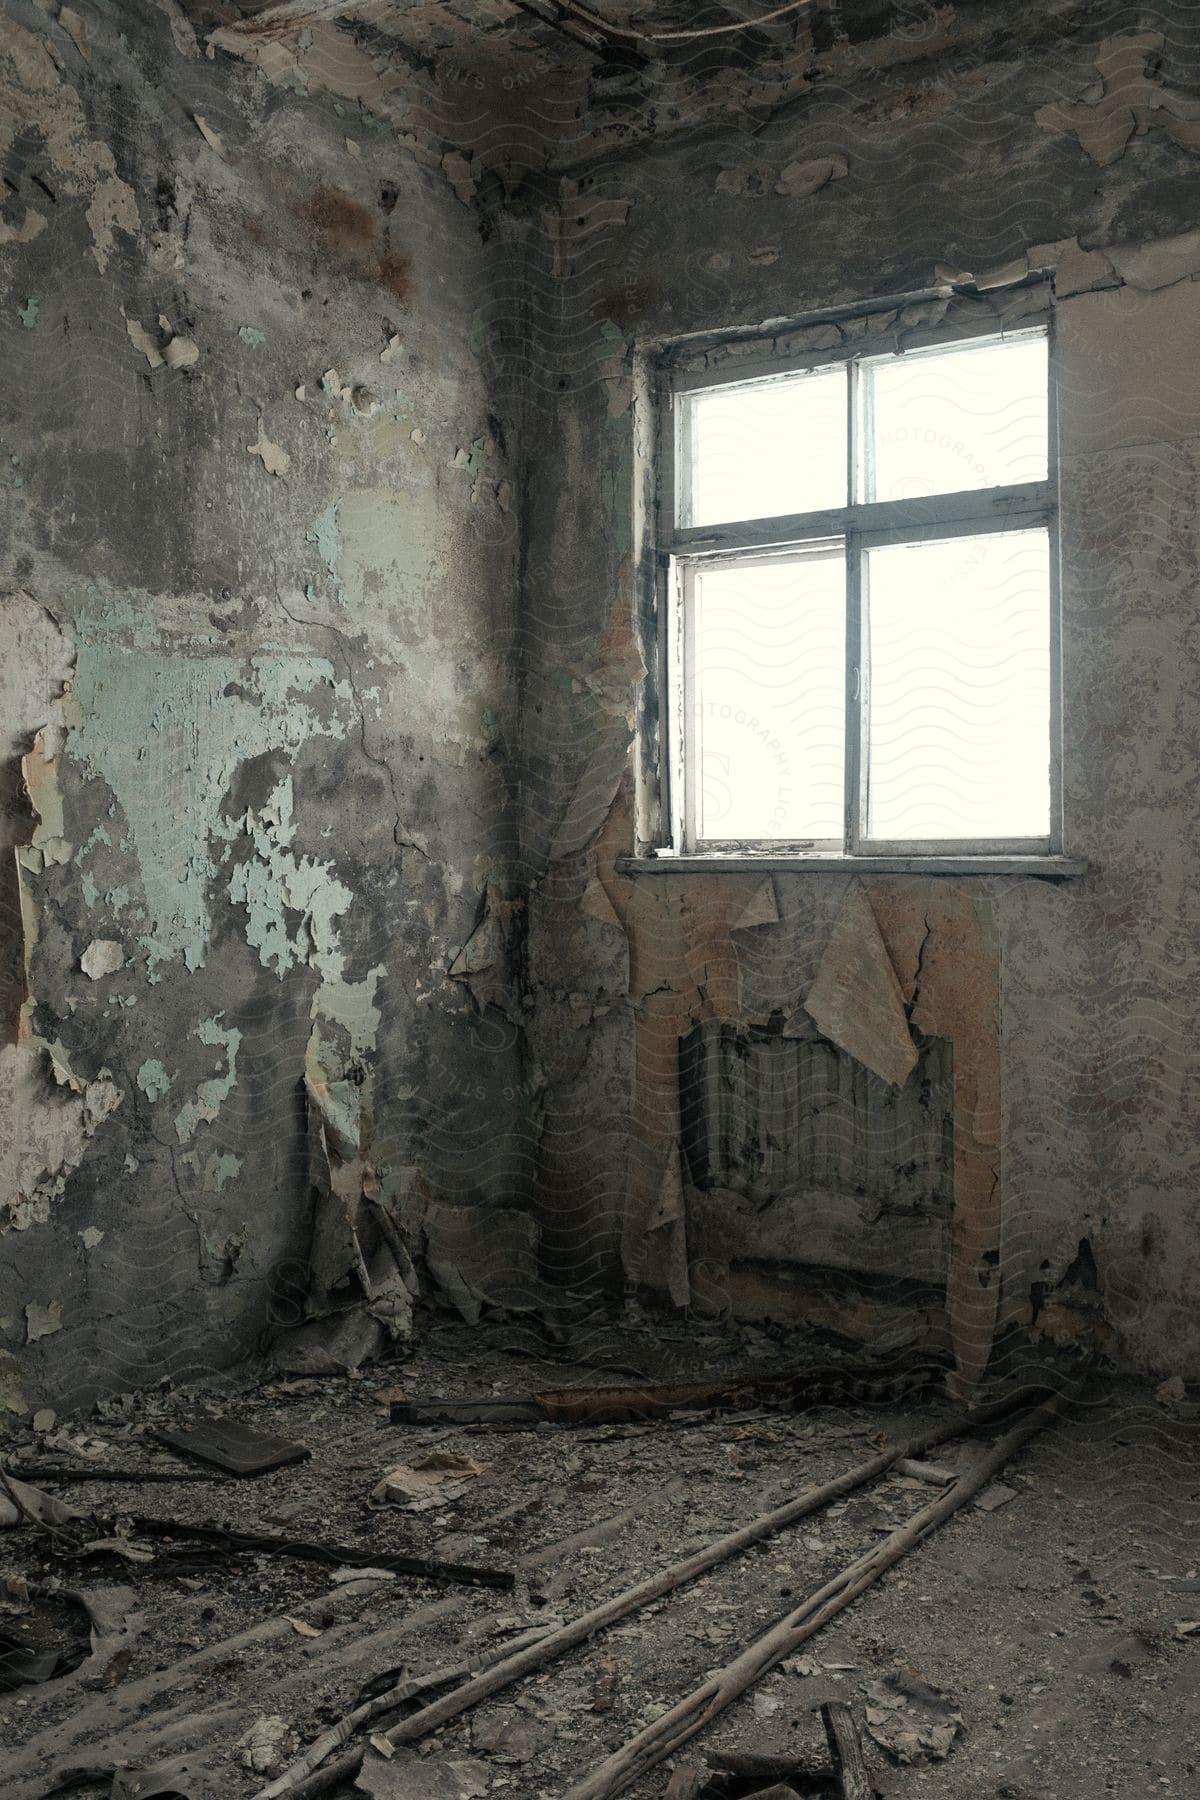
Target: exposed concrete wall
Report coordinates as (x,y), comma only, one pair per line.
(1071,1007)
(258,615)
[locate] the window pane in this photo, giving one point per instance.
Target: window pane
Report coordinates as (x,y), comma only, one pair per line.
(755,449)
(958,637)
(768,699)
(944,421)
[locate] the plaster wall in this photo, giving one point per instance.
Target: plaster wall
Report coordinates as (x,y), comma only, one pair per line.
(258,571)
(1072,148)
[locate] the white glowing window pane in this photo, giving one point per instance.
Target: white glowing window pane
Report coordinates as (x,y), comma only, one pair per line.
(757,449)
(768,699)
(947,421)
(958,736)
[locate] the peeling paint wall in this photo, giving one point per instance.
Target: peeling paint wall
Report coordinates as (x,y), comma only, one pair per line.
(258,618)
(321,537)
(998,145)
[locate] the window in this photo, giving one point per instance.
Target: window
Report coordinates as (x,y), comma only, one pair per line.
(861,639)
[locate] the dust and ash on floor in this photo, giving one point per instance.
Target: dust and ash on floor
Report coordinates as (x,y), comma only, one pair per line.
(1043,1643)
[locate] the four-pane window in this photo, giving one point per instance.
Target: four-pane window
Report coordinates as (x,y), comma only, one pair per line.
(861,637)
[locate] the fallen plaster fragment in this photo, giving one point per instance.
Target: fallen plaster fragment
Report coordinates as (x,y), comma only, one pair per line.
(1151,266)
(391,350)
(353,149)
(103,956)
(91,1236)
(799,179)
(275,459)
(267,1745)
(446,1469)
(42,1321)
(855,999)
(33,1504)
(211,138)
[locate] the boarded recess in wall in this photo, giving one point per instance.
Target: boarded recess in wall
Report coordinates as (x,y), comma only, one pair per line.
(763,1114)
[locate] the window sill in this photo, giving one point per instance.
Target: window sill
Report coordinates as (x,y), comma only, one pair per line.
(1047,868)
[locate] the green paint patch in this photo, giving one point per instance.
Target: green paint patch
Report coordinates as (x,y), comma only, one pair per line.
(28,314)
(274,883)
(210,1094)
(153,1079)
(87,883)
(352,1005)
(250,336)
(220,1170)
(118,898)
(168,733)
(327,537)
(99,836)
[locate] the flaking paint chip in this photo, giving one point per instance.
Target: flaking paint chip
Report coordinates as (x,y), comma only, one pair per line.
(799,179)
(141,340)
(211,138)
(275,459)
(42,1321)
(76,26)
(103,956)
(181,353)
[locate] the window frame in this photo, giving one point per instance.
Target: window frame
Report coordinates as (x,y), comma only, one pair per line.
(671,554)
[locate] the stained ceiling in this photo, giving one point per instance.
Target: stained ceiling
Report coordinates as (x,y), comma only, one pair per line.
(524,85)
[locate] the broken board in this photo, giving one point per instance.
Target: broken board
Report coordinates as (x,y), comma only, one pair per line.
(235,1448)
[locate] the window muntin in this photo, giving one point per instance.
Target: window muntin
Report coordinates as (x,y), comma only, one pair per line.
(939,714)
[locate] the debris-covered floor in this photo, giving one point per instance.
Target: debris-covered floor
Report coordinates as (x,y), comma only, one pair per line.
(1043,1643)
